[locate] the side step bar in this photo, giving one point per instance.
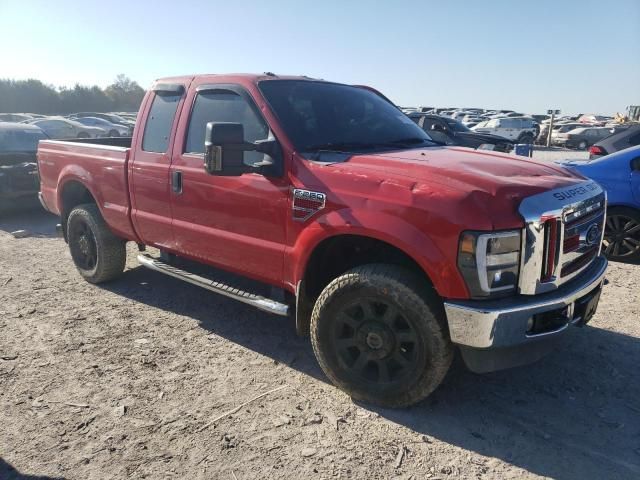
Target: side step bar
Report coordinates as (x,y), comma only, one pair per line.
(257,301)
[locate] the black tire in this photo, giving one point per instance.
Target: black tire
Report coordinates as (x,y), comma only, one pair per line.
(379,333)
(98,254)
(582,145)
(83,135)
(622,235)
(114,133)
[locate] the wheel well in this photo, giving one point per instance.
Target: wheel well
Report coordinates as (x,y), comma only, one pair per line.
(336,255)
(73,194)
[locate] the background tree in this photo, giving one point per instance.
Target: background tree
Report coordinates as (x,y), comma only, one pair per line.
(33,96)
(125,94)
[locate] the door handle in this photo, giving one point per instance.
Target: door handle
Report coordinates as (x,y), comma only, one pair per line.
(176,182)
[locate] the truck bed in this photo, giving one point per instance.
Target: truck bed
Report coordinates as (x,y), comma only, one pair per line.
(100,165)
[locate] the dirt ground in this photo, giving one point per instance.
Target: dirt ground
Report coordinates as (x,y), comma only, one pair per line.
(136,379)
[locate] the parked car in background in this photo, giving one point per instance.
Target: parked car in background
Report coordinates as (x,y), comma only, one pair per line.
(628,136)
(18,171)
(509,114)
(112,129)
(451,132)
(471,120)
(564,128)
(14,117)
(516,129)
(60,127)
(619,175)
(594,119)
(110,117)
(580,138)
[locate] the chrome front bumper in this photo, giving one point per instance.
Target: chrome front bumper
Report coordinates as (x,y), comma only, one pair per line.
(494,324)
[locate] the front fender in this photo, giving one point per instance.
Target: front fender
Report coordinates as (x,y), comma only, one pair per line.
(393,230)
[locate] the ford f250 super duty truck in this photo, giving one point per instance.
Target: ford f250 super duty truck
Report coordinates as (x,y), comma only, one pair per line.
(324,202)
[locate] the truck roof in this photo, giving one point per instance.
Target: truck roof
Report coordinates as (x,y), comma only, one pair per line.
(232,77)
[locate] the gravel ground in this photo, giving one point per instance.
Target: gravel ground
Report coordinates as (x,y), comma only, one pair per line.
(149,377)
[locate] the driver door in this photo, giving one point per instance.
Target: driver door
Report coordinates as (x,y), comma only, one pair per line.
(237,223)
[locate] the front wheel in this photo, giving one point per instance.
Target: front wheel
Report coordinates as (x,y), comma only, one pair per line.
(98,254)
(622,235)
(379,333)
(582,145)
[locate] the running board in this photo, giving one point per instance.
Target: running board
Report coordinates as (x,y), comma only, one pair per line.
(257,301)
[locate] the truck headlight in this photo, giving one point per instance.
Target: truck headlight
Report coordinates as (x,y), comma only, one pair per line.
(490,262)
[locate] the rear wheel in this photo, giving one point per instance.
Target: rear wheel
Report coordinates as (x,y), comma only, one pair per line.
(83,135)
(379,333)
(622,235)
(97,253)
(582,145)
(114,133)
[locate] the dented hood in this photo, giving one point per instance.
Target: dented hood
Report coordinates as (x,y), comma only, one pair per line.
(477,186)
(468,170)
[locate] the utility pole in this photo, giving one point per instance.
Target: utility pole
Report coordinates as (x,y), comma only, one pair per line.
(552,113)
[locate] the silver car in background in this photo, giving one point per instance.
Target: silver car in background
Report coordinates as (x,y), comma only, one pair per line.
(60,127)
(112,129)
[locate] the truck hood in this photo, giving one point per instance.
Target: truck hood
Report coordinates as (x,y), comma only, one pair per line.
(467,169)
(477,185)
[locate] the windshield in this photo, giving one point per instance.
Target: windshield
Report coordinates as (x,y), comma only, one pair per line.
(327,116)
(16,141)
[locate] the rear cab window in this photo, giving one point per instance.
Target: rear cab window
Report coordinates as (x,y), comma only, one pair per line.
(159,121)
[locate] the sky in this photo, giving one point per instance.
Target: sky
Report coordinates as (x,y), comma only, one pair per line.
(575,55)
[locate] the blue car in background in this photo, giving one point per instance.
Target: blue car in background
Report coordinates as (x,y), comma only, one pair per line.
(619,175)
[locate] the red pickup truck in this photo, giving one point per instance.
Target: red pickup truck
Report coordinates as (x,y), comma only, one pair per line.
(324,202)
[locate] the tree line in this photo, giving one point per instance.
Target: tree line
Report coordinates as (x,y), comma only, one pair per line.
(33,96)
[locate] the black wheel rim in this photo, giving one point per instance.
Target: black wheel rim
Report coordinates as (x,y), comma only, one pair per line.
(621,236)
(375,343)
(83,246)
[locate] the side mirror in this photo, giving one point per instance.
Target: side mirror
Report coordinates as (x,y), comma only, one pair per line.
(224,148)
(223,153)
(635,164)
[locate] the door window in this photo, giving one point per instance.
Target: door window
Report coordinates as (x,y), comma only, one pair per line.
(159,122)
(224,106)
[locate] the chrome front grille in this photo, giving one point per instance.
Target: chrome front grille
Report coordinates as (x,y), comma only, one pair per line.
(563,235)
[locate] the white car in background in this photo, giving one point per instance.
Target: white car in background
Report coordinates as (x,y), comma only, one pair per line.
(471,120)
(516,129)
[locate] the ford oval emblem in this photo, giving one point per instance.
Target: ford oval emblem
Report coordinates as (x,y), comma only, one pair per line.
(593,234)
